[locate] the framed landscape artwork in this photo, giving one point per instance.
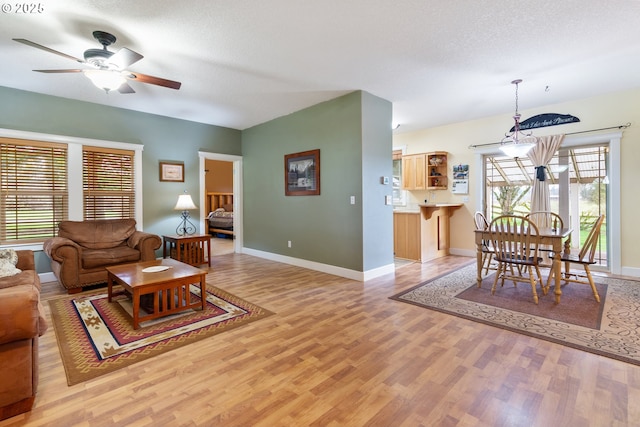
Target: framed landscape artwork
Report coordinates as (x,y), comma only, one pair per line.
(302,173)
(171,172)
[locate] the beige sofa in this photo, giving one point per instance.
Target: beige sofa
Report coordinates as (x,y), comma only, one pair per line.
(22,321)
(83,249)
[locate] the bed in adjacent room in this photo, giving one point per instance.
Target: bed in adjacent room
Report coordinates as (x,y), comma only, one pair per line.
(220,219)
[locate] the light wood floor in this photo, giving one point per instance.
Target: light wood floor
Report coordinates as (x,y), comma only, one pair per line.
(340,353)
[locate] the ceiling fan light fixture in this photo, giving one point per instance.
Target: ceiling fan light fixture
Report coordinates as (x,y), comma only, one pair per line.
(517,143)
(105,79)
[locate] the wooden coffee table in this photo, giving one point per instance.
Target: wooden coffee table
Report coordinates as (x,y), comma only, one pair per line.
(168,289)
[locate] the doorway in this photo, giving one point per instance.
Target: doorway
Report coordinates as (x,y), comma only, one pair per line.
(236,161)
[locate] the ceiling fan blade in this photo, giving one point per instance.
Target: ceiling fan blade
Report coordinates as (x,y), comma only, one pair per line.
(72,70)
(125,88)
(39,46)
(144,78)
(124,57)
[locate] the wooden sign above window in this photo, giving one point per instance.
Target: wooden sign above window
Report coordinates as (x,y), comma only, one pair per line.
(547,119)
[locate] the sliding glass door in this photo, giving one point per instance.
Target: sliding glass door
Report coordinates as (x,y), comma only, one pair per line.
(578,185)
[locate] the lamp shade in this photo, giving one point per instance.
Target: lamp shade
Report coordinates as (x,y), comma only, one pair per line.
(105,79)
(516,149)
(185,203)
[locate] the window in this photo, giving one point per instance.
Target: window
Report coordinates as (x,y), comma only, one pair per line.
(399,195)
(43,182)
(33,189)
(108,183)
(578,194)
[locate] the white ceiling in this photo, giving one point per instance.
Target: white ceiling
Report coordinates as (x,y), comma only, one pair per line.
(245,62)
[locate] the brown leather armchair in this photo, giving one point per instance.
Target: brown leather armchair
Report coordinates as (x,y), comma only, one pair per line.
(21,323)
(83,249)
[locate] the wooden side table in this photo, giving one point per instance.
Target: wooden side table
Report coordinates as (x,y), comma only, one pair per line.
(188,249)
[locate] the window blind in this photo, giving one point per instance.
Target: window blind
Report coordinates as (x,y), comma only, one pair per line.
(108,186)
(33,190)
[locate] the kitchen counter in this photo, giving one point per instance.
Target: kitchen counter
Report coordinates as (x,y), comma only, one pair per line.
(407,210)
(440,205)
(434,229)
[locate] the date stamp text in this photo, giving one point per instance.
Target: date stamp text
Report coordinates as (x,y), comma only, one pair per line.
(22,8)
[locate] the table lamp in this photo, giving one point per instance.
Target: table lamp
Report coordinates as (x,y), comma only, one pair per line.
(184,204)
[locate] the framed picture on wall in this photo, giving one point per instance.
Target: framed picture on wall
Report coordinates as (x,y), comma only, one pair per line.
(302,173)
(171,172)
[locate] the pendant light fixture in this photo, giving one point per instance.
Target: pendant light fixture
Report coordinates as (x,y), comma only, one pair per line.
(105,79)
(517,143)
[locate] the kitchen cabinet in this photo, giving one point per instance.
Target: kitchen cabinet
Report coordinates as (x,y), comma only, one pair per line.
(437,170)
(423,235)
(425,171)
(414,172)
(406,235)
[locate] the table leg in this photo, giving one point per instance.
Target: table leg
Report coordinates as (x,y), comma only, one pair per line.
(203,292)
(479,263)
(109,287)
(557,272)
(136,308)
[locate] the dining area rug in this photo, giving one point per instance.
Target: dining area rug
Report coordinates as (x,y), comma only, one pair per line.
(609,328)
(96,337)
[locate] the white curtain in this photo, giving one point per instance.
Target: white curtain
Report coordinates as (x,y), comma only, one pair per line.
(540,155)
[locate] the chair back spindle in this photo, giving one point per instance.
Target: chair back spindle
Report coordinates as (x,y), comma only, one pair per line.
(515,239)
(546,219)
(591,244)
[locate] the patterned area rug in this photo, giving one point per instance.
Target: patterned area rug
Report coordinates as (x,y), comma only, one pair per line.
(611,330)
(96,337)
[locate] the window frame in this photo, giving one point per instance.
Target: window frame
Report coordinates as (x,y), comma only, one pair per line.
(33,173)
(104,180)
(614,203)
(74,172)
(400,202)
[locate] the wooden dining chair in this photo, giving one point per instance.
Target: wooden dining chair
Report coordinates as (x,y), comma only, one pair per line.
(487,250)
(585,257)
(515,242)
(546,219)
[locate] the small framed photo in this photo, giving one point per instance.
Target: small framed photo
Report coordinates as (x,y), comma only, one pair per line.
(302,173)
(171,172)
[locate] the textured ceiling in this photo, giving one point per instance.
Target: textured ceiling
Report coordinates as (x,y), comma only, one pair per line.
(244,62)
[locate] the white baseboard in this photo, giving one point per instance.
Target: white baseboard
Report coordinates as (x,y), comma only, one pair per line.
(360,276)
(463,252)
(47,277)
(630,271)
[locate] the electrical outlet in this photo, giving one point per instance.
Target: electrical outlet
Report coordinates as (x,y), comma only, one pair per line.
(289,243)
(352,200)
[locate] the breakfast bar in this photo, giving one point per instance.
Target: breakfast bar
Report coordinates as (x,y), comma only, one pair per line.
(434,229)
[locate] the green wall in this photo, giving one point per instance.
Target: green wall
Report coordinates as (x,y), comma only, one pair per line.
(349,131)
(377,220)
(163,139)
(352,132)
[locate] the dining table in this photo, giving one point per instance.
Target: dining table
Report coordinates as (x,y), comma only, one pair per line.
(555,238)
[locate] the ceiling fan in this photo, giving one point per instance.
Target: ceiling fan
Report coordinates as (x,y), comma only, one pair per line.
(107,68)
